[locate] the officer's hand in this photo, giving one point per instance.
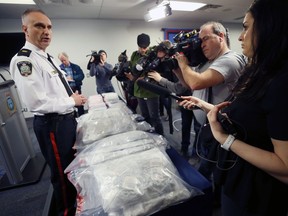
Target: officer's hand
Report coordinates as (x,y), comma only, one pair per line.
(79,99)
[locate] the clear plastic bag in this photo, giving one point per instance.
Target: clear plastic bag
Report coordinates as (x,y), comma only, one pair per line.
(98,124)
(118,145)
(135,184)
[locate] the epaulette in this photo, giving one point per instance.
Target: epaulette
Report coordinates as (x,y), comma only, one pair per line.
(24,52)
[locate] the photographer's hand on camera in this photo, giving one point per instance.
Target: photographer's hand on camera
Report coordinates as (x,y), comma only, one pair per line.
(155,75)
(92,59)
(182,60)
(129,76)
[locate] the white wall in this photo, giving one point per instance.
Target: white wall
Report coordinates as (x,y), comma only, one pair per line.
(79,37)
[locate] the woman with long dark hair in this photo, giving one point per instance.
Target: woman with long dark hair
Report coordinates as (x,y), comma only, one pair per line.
(257,183)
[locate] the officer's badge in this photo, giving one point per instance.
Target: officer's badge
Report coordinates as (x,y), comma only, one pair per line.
(25,68)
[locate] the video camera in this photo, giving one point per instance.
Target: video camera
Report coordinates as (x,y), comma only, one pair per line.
(122,67)
(95,55)
(187,43)
(148,63)
(190,45)
(96,58)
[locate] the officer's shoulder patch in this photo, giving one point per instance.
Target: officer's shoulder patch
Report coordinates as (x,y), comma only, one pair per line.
(24,52)
(25,68)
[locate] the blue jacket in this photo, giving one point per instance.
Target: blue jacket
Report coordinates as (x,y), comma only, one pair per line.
(78,74)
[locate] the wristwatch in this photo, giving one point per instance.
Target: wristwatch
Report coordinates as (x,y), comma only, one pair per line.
(228,142)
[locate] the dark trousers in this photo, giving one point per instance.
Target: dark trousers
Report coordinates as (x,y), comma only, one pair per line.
(186,117)
(197,127)
(56,136)
(131,101)
(150,111)
(167,103)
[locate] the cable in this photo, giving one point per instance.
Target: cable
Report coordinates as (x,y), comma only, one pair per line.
(192,132)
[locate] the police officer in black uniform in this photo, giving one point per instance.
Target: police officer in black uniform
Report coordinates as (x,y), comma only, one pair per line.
(45,92)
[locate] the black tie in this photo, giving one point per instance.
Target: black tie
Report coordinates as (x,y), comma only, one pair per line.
(67,87)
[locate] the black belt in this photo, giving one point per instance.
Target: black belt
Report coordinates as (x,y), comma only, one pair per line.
(56,116)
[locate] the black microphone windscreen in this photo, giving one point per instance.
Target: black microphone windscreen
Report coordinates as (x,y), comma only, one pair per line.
(154,88)
(157,89)
(164,92)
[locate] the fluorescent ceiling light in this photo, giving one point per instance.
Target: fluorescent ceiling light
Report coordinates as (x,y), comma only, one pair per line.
(158,12)
(164,8)
(17,2)
(185,6)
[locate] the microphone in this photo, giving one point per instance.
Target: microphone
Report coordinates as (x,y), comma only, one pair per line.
(160,91)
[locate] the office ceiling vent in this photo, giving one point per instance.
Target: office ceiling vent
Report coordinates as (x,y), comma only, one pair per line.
(209,7)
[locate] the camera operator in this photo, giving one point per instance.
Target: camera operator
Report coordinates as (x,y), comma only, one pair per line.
(162,54)
(102,72)
(165,101)
(220,72)
(214,80)
(148,101)
(166,78)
